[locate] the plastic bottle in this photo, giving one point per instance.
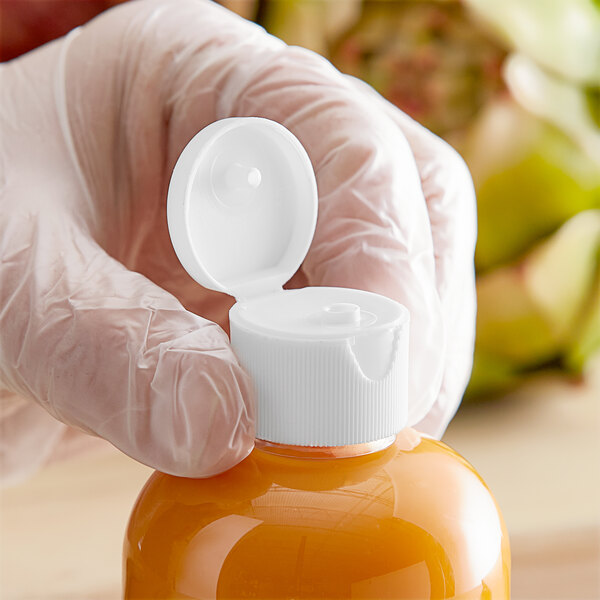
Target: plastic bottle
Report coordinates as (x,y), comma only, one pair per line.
(339,498)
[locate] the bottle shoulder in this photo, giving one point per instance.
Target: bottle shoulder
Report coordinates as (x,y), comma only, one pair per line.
(416,472)
(410,449)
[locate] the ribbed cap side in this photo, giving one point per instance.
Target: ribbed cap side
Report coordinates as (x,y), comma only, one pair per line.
(314,393)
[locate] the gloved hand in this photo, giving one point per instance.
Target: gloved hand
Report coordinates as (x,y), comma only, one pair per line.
(98,321)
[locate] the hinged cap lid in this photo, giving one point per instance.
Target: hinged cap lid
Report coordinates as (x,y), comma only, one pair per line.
(242,206)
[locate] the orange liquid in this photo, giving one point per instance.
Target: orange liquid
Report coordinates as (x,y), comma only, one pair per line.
(411,521)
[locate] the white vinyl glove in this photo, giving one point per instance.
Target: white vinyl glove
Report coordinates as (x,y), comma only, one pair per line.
(98,320)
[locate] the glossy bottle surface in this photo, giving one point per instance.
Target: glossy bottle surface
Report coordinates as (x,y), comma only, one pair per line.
(411,521)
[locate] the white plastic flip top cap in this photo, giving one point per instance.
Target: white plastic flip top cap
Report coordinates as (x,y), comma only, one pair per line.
(329,364)
(242,206)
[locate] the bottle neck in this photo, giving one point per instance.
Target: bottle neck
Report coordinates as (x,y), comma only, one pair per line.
(324,452)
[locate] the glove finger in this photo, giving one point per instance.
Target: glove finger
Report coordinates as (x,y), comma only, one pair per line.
(373,229)
(105,350)
(374,233)
(450,197)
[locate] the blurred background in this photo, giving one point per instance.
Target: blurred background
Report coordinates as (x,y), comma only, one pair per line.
(514,86)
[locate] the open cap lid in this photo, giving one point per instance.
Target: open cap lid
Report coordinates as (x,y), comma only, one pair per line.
(242,206)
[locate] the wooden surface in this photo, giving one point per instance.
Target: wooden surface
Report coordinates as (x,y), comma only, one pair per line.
(539,451)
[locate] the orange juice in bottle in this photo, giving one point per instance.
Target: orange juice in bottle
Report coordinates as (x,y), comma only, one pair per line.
(339,498)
